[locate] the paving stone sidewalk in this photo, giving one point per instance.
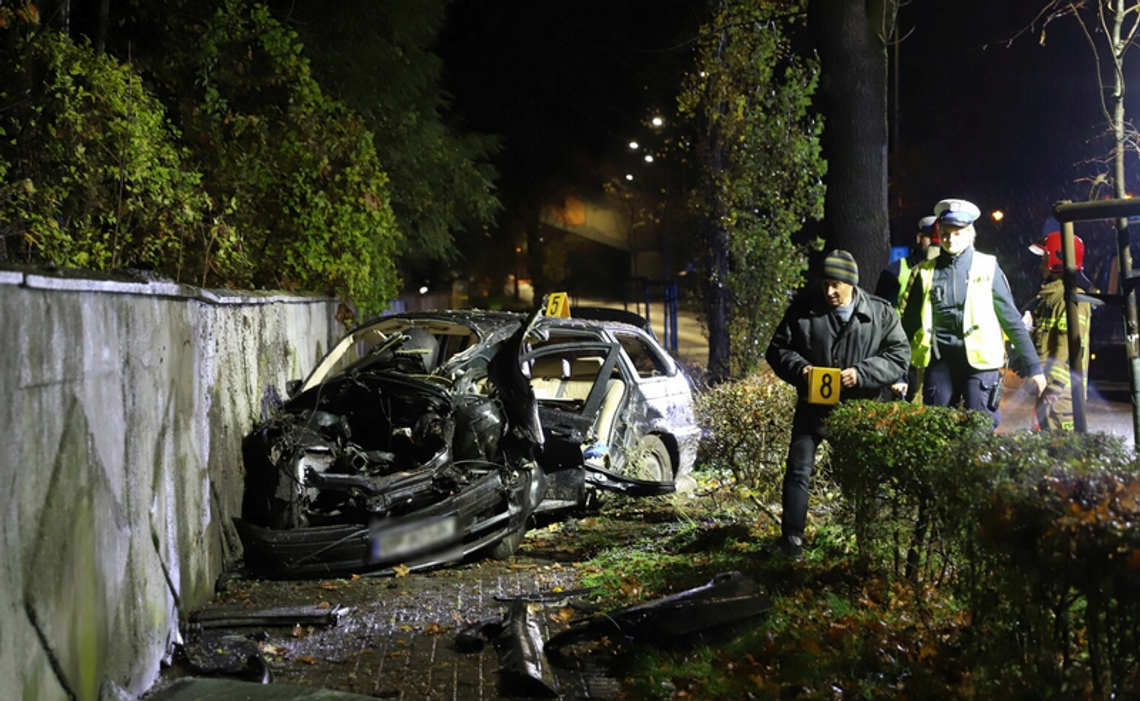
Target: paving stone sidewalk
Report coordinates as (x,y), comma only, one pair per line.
(398,639)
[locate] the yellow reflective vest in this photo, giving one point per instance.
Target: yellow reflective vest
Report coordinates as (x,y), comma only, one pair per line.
(981,332)
(904,278)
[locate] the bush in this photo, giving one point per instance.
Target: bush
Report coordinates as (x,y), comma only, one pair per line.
(747,426)
(1054,564)
(1035,534)
(310,194)
(886,456)
(92,176)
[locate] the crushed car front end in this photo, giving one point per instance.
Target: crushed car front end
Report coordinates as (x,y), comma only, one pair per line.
(381,464)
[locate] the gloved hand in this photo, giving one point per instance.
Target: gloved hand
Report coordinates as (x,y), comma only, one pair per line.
(1050,396)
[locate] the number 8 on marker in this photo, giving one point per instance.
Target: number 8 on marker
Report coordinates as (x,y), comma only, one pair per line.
(823,385)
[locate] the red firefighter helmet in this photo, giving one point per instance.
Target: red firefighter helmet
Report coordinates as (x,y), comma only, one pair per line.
(1051,246)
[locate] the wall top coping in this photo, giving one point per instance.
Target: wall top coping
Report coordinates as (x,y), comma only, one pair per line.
(137,283)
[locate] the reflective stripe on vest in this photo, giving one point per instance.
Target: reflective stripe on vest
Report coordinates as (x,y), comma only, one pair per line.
(981,332)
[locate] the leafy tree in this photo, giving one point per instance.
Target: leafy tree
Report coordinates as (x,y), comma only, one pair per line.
(91,172)
(852,37)
(377,58)
(298,170)
(748,99)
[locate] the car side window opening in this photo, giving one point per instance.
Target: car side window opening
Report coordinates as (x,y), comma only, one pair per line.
(646,361)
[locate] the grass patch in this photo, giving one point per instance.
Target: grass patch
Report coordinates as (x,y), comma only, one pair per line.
(831,633)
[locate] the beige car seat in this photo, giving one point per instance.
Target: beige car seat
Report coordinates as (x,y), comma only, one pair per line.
(547,377)
(583,376)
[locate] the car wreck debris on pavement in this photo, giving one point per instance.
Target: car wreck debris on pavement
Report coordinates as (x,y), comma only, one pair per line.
(522,665)
(727,599)
(428,438)
(712,609)
(314,615)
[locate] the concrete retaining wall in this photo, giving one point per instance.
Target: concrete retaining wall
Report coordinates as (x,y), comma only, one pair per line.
(124,405)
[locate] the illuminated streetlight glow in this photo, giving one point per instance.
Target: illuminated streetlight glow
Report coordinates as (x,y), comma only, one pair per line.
(629,176)
(648,158)
(657,121)
(633,145)
(998,215)
(423,290)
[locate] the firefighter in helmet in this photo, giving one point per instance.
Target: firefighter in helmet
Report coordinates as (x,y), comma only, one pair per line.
(1051,332)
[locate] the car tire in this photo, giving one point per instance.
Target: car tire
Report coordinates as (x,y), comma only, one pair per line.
(507,546)
(654,464)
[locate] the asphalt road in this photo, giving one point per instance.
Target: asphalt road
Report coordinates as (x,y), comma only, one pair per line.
(1109,410)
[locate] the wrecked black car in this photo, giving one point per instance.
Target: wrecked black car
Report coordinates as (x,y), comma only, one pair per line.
(427,438)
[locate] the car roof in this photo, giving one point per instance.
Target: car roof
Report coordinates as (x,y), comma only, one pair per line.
(607,316)
(485,323)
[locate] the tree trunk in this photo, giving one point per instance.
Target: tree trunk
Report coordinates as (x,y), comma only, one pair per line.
(718,300)
(1119,10)
(718,304)
(852,36)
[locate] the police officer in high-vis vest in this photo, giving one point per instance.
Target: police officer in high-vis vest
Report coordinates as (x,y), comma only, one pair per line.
(893,280)
(958,307)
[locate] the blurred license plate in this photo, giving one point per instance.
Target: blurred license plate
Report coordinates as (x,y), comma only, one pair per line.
(413,538)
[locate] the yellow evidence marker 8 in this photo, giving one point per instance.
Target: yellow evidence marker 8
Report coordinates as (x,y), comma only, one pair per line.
(823,385)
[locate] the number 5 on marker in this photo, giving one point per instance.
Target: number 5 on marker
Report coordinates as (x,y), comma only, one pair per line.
(823,385)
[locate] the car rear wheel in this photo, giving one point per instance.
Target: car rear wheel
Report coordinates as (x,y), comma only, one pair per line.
(653,462)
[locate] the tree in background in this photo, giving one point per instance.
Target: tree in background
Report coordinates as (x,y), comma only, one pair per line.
(298,170)
(748,99)
(851,37)
(377,58)
(290,185)
(1110,27)
(91,174)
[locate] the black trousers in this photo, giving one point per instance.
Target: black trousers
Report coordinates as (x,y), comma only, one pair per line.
(950,381)
(808,431)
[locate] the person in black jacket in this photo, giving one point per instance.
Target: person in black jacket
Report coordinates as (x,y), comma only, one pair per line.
(839,326)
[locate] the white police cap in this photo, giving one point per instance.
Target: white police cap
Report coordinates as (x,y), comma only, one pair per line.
(957,212)
(926,224)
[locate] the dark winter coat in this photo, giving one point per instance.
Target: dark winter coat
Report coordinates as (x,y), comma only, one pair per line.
(872,342)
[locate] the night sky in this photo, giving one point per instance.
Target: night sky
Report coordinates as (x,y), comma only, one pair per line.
(1006,125)
(566,76)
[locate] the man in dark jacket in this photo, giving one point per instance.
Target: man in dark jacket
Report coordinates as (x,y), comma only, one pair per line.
(837,329)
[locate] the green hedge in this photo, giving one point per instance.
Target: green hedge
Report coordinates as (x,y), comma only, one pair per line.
(747,425)
(1036,534)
